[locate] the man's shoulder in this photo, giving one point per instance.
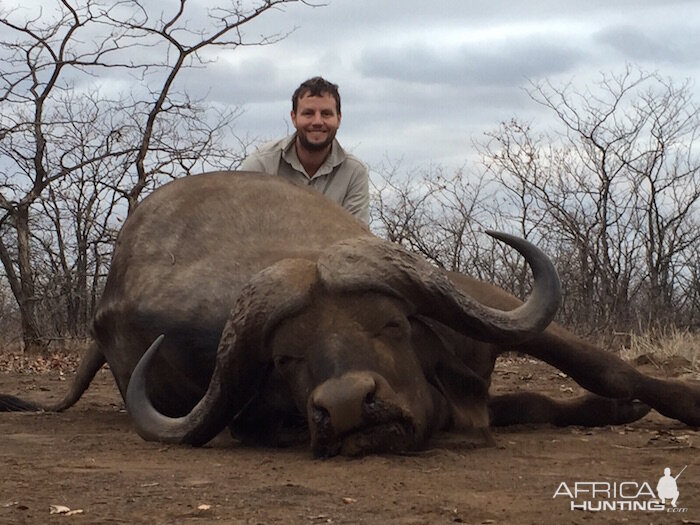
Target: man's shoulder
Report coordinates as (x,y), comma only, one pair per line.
(354,163)
(267,157)
(272,147)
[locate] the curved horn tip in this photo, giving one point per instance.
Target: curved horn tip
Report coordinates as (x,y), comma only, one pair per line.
(502,236)
(546,276)
(148,355)
(139,371)
(136,389)
(537,259)
(156,343)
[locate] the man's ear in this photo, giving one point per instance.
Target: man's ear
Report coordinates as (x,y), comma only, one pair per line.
(293,116)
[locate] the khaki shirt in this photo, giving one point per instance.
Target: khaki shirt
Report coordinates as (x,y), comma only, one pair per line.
(342,177)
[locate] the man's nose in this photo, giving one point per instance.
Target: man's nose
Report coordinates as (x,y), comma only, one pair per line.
(317,120)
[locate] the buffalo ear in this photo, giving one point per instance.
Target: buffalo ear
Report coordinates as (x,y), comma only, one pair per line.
(465,392)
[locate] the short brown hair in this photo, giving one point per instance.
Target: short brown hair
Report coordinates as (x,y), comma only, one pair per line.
(315,87)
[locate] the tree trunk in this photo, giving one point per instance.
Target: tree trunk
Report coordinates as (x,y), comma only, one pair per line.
(22,286)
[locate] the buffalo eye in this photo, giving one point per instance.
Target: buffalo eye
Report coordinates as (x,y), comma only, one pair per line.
(395,328)
(282,361)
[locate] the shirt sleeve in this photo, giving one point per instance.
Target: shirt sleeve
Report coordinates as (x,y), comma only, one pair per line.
(252,163)
(356,200)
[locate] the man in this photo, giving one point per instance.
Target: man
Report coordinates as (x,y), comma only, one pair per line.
(667,488)
(312,156)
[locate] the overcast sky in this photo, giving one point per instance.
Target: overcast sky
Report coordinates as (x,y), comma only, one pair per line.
(420,80)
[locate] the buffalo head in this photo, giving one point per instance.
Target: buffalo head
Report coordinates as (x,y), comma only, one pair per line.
(333,342)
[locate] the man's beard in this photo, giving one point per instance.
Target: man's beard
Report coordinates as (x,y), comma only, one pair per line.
(314,146)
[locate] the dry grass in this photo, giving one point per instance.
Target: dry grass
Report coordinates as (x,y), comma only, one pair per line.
(672,350)
(673,346)
(61,357)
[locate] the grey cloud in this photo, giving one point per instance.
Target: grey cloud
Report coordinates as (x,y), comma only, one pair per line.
(677,45)
(508,64)
(248,81)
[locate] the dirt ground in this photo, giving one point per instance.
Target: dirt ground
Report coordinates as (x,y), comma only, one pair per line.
(89,460)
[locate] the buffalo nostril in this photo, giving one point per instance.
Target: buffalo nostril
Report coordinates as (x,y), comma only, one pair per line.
(320,415)
(370,399)
(343,403)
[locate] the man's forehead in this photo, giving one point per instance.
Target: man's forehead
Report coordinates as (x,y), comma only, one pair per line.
(307,99)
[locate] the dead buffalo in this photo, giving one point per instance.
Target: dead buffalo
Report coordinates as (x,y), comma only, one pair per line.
(282,315)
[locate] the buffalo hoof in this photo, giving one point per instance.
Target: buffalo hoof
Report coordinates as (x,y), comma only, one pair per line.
(625,411)
(593,411)
(588,410)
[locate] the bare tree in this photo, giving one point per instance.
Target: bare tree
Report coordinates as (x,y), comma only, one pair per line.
(441,216)
(72,151)
(9,325)
(612,195)
(400,208)
(616,189)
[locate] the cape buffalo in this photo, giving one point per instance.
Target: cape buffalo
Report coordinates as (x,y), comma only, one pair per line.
(280,313)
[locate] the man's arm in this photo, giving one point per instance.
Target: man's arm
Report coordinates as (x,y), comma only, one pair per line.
(265,159)
(356,200)
(252,163)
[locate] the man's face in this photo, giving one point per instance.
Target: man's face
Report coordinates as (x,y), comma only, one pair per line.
(316,121)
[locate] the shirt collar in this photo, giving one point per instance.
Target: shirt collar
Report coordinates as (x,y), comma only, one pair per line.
(335,157)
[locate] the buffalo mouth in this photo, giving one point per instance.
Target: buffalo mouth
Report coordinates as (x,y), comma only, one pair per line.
(395,436)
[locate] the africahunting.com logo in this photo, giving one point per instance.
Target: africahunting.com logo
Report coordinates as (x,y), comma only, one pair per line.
(598,496)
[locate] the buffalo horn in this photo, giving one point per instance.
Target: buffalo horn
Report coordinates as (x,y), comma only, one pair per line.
(371,263)
(240,358)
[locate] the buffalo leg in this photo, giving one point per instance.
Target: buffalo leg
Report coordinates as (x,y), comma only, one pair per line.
(89,366)
(607,375)
(588,410)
